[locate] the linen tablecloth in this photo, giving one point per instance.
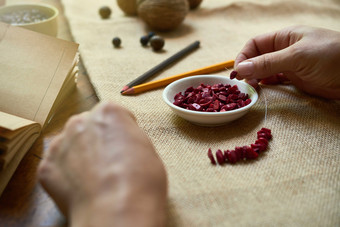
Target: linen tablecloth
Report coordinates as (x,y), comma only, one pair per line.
(296,182)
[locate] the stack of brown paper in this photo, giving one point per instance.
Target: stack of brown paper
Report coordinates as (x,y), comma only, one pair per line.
(36,73)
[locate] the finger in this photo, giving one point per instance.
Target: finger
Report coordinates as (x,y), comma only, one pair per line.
(75,125)
(272,80)
(107,112)
(53,182)
(262,44)
(266,65)
(253,82)
(270,42)
(54,147)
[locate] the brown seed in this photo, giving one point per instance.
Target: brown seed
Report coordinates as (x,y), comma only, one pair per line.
(105,12)
(157,43)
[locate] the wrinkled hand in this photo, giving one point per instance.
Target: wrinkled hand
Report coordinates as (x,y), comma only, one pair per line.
(102,170)
(309,57)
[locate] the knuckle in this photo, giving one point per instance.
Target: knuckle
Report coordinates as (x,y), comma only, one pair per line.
(54,146)
(43,170)
(297,54)
(267,63)
(110,108)
(74,120)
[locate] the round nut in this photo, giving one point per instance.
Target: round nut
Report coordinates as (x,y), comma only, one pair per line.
(157,43)
(144,40)
(163,15)
(104,12)
(129,7)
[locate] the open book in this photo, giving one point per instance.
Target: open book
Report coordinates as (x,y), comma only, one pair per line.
(36,73)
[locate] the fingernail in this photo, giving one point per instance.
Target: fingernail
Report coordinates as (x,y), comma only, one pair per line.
(245,68)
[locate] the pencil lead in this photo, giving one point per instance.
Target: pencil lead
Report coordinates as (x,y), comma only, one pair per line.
(124,88)
(129,91)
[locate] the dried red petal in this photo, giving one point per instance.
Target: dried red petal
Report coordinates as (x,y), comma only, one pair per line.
(245,152)
(266,130)
(251,154)
(220,157)
(247,101)
(232,157)
(215,97)
(231,106)
(262,135)
(189,89)
(222,98)
(242,96)
(226,155)
(216,105)
(239,153)
(256,147)
(233,75)
(211,157)
(261,146)
(262,140)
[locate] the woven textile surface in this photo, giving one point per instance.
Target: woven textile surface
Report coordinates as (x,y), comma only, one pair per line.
(296,182)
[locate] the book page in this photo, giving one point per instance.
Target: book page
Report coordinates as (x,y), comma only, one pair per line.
(6,174)
(11,126)
(33,69)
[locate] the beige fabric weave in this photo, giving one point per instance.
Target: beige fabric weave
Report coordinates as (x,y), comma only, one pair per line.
(296,182)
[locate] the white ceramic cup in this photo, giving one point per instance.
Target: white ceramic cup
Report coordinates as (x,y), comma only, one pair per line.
(48,26)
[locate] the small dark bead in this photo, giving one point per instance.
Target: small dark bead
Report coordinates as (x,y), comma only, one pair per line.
(151,34)
(157,43)
(144,40)
(116,42)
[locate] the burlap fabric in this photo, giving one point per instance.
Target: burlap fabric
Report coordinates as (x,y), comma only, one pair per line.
(296,182)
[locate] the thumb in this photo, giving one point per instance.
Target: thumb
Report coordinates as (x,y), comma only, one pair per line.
(266,65)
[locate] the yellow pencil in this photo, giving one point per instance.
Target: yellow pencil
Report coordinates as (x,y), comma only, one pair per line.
(162,82)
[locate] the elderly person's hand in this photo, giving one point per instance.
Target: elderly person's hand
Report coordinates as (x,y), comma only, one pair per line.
(309,57)
(102,170)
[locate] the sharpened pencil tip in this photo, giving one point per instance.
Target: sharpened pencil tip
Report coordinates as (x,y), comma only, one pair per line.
(124,88)
(129,91)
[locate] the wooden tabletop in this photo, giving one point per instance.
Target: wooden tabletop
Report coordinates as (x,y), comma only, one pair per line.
(24,202)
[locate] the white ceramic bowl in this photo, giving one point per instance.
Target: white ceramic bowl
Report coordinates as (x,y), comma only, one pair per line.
(208,118)
(48,26)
